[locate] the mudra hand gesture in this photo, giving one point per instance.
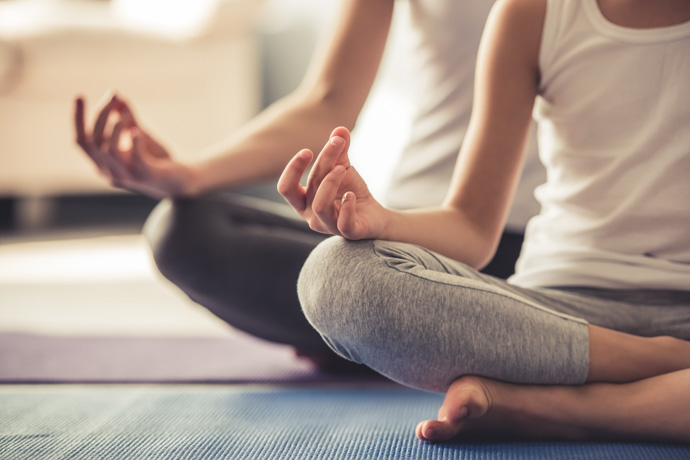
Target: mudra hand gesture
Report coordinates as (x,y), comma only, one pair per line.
(336,199)
(127,155)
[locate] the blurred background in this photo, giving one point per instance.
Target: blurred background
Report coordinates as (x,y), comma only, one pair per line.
(71,257)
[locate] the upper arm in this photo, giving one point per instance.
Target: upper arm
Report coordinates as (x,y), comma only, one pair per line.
(506,84)
(343,70)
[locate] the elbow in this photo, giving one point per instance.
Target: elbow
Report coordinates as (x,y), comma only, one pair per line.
(336,106)
(484,258)
(481,252)
(481,239)
(489,247)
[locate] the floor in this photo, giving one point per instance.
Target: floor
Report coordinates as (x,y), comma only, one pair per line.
(69,286)
(62,278)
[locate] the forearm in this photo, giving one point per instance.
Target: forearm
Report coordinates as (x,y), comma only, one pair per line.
(260,150)
(469,225)
(332,94)
(446,231)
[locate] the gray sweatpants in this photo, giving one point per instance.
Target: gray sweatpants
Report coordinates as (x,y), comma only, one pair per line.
(424,320)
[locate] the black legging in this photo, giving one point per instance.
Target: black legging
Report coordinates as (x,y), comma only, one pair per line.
(240,258)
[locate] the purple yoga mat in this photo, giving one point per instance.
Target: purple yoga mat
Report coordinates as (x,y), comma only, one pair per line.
(29,358)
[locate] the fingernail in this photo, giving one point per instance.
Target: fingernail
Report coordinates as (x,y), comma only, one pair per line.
(339,169)
(337,140)
(429,433)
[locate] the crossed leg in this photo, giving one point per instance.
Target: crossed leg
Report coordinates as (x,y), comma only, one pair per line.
(511,361)
(655,407)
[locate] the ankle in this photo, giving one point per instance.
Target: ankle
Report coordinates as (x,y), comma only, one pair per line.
(676,351)
(619,357)
(541,412)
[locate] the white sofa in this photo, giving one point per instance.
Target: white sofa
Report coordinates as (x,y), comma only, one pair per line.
(192,82)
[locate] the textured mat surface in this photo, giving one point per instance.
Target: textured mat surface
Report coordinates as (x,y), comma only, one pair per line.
(28,358)
(183,422)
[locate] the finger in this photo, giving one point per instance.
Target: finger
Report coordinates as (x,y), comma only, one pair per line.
(101,121)
(346,216)
(114,143)
(79,124)
(84,140)
(125,112)
(138,164)
(289,183)
(345,134)
(116,162)
(324,204)
(327,159)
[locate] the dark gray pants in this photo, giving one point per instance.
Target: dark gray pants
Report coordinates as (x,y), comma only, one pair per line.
(240,258)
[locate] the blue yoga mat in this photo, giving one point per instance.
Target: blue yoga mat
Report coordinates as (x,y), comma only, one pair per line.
(234,422)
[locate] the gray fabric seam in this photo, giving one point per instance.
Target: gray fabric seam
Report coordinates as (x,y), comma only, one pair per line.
(496,292)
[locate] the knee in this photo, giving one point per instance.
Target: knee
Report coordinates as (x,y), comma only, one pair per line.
(336,288)
(172,234)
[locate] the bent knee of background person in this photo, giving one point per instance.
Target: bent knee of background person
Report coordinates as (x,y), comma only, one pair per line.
(173,230)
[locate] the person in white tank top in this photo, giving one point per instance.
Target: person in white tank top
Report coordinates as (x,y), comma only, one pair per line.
(611,245)
(614,210)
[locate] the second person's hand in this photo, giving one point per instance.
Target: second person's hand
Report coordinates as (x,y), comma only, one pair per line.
(336,199)
(140,165)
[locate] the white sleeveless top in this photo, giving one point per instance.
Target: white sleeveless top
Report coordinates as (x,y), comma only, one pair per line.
(446,35)
(614,134)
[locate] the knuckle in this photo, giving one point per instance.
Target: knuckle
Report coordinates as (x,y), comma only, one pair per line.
(135,174)
(346,231)
(319,208)
(318,226)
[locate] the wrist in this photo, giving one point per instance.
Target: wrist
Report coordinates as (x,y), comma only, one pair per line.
(191,182)
(388,226)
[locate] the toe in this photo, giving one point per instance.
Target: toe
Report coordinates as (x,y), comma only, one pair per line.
(466,401)
(437,430)
(418,431)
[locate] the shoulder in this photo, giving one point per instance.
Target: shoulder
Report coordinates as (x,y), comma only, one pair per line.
(520,10)
(524,16)
(518,24)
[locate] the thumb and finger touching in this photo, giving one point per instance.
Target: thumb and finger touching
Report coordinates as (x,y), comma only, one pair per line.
(289,183)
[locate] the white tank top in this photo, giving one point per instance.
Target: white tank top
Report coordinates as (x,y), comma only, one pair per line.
(614,134)
(446,35)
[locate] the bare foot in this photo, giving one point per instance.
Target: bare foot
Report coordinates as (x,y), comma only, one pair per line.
(653,409)
(467,400)
(477,407)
